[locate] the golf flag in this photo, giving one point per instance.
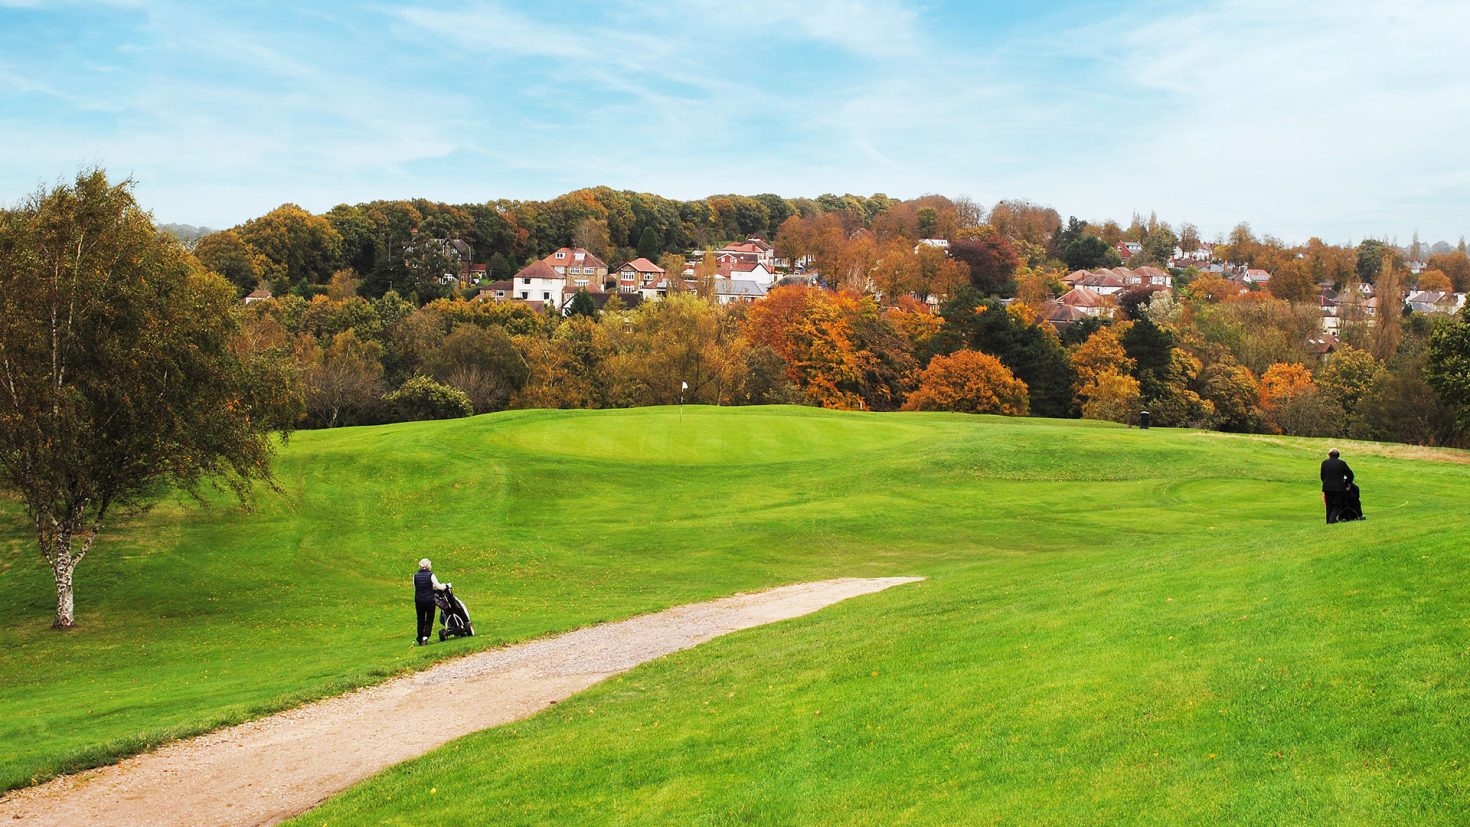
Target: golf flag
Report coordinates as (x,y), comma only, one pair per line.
(683,386)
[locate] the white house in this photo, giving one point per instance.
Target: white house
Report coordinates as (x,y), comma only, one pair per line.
(538,282)
(748,271)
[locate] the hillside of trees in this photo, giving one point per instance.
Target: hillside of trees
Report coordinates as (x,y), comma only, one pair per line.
(888,324)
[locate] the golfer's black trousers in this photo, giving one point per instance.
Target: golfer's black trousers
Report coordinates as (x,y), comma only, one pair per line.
(1334,500)
(426,618)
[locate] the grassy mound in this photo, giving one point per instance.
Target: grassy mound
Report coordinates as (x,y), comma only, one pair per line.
(1118,624)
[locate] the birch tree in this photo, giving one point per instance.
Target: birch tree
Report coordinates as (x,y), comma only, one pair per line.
(117,378)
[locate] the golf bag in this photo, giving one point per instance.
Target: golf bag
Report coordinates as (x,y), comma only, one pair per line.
(452,614)
(1352,504)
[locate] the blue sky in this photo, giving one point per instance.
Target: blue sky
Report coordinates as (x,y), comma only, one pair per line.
(1340,118)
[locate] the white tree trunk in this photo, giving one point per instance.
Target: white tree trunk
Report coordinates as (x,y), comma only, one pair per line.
(62,568)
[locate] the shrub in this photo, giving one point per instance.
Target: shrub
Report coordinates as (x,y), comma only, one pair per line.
(423,398)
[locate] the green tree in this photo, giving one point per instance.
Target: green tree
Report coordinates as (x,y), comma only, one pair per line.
(1371,255)
(1447,366)
(499,267)
(420,397)
(1090,252)
(581,305)
(650,245)
(120,379)
(1158,247)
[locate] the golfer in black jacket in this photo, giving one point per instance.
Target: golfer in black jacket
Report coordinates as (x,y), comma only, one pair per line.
(1336,475)
(424,586)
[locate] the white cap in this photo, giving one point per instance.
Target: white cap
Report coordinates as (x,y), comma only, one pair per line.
(424,563)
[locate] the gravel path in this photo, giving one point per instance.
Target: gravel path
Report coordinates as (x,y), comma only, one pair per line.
(265,771)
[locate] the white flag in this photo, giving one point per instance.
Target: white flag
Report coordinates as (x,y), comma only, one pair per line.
(684,386)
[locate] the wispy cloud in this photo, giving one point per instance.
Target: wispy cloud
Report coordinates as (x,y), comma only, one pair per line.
(1295,116)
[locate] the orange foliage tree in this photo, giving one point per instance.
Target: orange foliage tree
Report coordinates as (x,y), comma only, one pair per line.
(1284,380)
(1435,280)
(969,381)
(838,349)
(1110,396)
(1102,353)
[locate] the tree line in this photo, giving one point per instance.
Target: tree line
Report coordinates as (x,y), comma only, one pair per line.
(1206,354)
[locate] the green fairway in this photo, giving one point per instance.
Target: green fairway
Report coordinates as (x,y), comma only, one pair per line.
(1117,625)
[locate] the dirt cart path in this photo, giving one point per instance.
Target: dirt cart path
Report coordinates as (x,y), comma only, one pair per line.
(270,769)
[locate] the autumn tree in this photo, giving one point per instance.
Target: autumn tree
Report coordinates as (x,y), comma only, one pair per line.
(1232,389)
(992,262)
(1389,290)
(1435,280)
(969,382)
(1294,405)
(1455,265)
(1282,381)
(1188,237)
(1212,289)
(1110,396)
(1348,375)
(295,246)
(1293,282)
(1103,352)
(226,253)
(658,347)
(119,378)
(345,381)
(1030,350)
(1022,220)
(481,362)
(591,234)
(838,349)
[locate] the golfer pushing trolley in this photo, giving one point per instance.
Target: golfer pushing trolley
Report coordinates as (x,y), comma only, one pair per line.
(428,595)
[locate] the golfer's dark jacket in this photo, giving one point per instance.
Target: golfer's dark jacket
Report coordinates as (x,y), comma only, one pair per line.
(1335,475)
(423,584)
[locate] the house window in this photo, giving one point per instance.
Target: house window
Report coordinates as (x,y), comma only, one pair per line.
(525,281)
(561,255)
(525,295)
(581,282)
(575,270)
(546,297)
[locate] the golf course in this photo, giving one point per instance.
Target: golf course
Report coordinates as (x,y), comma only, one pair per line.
(1115,625)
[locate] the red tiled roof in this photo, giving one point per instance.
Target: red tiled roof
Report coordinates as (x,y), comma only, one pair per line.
(538,270)
(1082,297)
(570,258)
(642,265)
